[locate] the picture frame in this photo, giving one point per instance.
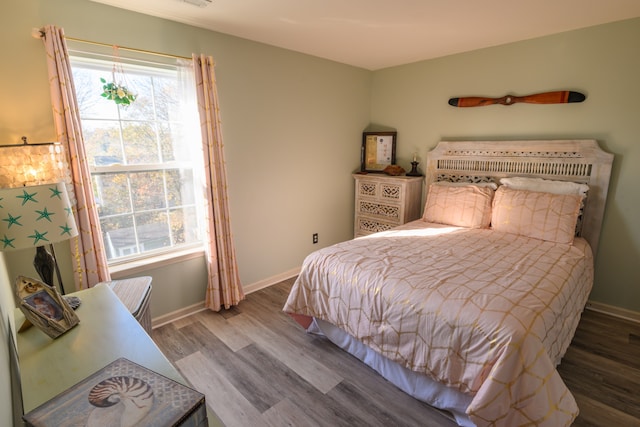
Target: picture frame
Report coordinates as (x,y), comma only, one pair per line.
(378,151)
(44,307)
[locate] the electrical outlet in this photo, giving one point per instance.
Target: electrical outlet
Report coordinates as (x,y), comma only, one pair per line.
(315,238)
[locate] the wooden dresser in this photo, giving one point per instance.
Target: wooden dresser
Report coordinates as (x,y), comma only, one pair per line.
(383,202)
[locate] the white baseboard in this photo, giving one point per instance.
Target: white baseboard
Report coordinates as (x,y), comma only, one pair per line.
(195,308)
(156,322)
(614,311)
(271,280)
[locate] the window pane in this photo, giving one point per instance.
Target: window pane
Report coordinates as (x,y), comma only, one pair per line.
(153,230)
(102,142)
(166,98)
(180,187)
(148,191)
(167,139)
(112,194)
(119,236)
(142,108)
(140,143)
(184,225)
(88,92)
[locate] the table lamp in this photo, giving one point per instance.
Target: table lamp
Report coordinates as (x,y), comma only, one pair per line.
(35,209)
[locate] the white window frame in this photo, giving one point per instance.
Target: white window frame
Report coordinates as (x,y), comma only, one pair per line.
(133,262)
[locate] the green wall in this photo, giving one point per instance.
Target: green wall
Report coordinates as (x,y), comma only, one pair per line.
(603,62)
(292,127)
(6,326)
(291,124)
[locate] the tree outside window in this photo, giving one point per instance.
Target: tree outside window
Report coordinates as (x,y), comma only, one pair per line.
(142,160)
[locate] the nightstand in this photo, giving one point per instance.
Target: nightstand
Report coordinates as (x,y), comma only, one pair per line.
(383,202)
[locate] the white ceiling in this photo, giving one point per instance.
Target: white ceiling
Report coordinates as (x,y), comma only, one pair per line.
(375,34)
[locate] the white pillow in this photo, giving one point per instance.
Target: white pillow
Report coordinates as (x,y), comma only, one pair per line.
(545,185)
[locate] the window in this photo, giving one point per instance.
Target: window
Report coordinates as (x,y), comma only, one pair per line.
(142,157)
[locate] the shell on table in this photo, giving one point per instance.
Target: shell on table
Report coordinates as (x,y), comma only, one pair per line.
(121,401)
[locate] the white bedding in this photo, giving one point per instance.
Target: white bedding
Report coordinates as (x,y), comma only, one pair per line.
(485,313)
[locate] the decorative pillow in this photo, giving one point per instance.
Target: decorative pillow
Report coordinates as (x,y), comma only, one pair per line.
(463,206)
(545,185)
(544,216)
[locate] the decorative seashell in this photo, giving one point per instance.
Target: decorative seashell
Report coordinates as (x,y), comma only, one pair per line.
(121,400)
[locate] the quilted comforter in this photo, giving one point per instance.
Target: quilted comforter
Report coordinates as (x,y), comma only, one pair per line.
(487,313)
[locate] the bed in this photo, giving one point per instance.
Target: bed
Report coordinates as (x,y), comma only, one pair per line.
(472,307)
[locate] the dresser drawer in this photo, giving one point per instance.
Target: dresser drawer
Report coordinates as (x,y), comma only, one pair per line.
(365,225)
(383,202)
(380,210)
(379,190)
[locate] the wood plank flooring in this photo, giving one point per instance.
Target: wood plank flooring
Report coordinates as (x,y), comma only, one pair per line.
(258,368)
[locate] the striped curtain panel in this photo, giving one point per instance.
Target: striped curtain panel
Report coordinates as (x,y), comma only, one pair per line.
(224,288)
(87,250)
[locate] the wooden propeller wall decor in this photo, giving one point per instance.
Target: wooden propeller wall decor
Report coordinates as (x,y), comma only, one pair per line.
(558,97)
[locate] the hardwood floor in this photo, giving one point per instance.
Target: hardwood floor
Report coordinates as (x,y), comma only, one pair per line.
(258,368)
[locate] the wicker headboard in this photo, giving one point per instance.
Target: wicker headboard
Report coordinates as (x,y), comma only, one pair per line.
(562,160)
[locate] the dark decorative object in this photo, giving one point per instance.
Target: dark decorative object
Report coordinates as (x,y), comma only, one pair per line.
(45,264)
(394,170)
(414,169)
(378,151)
(558,97)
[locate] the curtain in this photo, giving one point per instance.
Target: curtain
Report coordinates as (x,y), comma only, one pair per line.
(224,287)
(87,250)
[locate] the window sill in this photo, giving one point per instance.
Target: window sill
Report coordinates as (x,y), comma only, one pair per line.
(145,264)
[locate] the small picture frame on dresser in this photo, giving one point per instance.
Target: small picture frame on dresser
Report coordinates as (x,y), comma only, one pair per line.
(378,151)
(44,307)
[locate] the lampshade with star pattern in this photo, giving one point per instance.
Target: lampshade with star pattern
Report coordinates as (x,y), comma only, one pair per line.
(35,216)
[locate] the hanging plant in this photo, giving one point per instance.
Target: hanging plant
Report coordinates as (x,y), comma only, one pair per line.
(117,93)
(117,89)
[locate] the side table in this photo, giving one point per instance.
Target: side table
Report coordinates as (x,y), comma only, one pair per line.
(135,294)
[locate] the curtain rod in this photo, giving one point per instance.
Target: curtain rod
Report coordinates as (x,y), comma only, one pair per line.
(130,49)
(25,143)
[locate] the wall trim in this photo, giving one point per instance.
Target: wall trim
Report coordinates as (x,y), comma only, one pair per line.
(156,322)
(269,281)
(614,311)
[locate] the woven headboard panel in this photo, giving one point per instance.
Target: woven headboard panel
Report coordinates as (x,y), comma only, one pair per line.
(563,160)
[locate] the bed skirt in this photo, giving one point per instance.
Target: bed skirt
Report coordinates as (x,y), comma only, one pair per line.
(416,385)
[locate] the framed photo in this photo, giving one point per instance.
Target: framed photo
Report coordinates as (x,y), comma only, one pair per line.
(44,307)
(378,151)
